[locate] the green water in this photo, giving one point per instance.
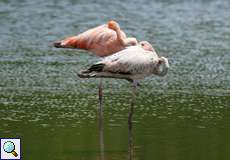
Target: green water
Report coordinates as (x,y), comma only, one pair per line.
(185,115)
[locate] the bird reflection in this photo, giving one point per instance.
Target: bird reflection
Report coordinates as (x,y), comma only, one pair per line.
(130,133)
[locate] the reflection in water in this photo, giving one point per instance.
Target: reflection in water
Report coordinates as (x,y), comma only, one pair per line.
(101,125)
(101,129)
(130,131)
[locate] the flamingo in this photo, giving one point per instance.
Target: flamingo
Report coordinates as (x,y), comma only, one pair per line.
(102,40)
(133,63)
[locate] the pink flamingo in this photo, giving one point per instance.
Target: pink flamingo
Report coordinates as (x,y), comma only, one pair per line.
(103,40)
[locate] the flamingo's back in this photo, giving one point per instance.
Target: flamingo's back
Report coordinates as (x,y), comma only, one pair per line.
(100,40)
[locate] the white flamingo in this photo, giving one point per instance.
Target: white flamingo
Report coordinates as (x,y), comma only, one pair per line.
(133,63)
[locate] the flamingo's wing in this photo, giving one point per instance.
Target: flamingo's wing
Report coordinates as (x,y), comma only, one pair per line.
(88,39)
(130,63)
(133,60)
(95,35)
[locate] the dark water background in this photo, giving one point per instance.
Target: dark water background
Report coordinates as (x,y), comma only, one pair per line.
(185,115)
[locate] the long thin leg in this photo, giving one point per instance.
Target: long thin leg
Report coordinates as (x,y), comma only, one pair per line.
(100,95)
(130,116)
(101,119)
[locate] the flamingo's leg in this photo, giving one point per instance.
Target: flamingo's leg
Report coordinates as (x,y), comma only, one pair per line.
(101,118)
(130,116)
(100,96)
(135,84)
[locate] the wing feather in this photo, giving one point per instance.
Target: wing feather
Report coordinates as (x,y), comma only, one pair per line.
(132,60)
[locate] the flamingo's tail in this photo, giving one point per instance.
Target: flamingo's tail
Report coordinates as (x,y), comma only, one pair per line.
(96,71)
(86,75)
(71,42)
(92,71)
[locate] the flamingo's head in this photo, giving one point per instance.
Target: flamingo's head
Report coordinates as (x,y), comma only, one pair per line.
(70,42)
(146,46)
(162,67)
(113,25)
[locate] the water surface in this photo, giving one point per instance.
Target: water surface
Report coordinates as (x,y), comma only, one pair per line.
(184,115)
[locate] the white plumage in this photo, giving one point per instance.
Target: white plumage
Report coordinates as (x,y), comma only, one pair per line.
(132,63)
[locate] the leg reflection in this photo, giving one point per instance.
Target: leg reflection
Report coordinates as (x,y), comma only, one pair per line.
(101,137)
(130,126)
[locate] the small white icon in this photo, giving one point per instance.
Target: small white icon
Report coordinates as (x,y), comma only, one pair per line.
(10,149)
